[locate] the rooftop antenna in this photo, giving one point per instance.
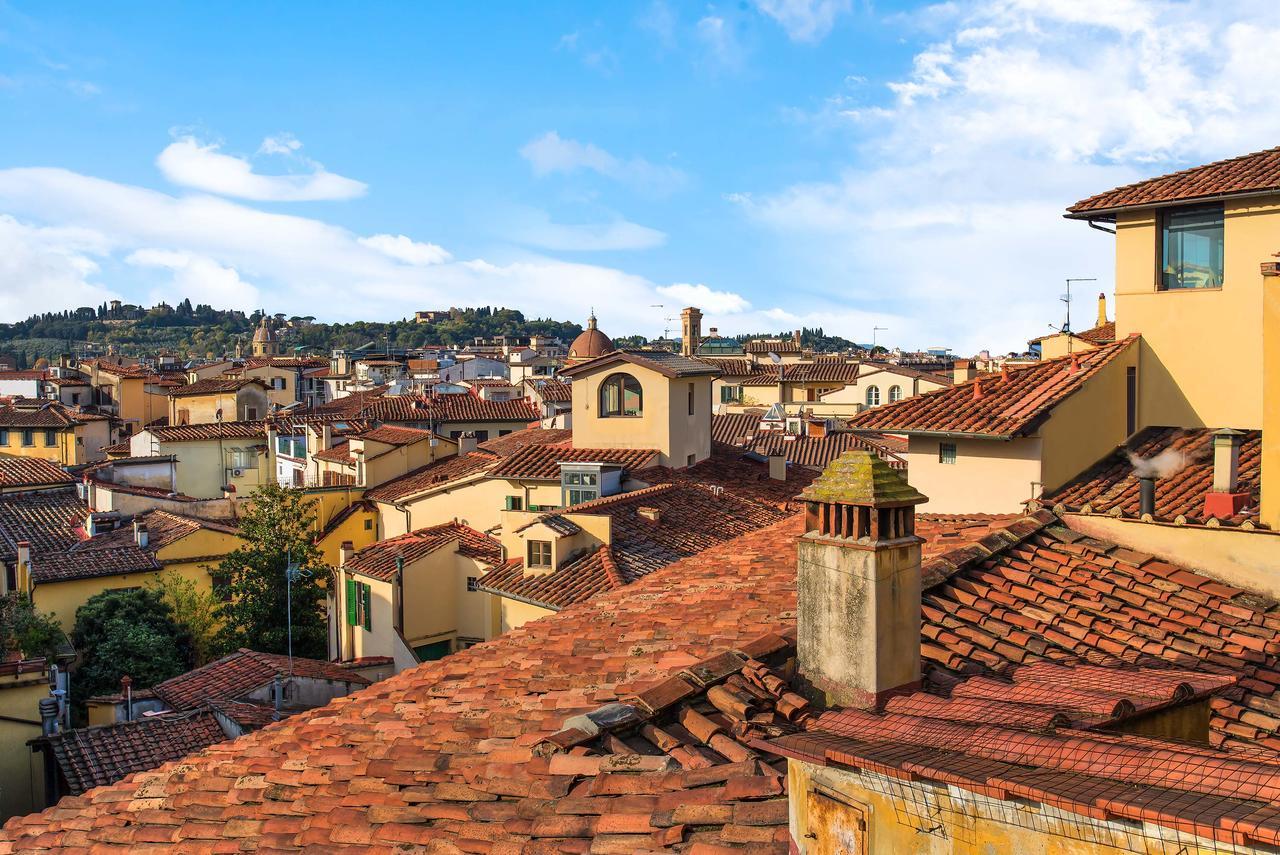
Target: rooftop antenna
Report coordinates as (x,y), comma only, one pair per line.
(875,330)
(1066,298)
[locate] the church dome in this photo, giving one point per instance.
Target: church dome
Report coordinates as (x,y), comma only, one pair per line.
(590,343)
(263,333)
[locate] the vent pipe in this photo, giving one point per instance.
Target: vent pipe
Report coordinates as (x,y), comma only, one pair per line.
(1147,496)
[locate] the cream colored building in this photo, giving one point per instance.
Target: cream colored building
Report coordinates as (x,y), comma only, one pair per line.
(218,400)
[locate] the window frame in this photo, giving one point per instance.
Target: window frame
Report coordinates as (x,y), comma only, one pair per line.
(538,546)
(948,450)
(1162,227)
(50,438)
(4,437)
(867,397)
(621,378)
(28,438)
(693,405)
(895,393)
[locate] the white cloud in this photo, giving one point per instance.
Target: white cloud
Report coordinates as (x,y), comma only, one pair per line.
(191,163)
(46,267)
(551,153)
(535,228)
(201,279)
(948,212)
(282,143)
(405,249)
(710,301)
(721,44)
(805,20)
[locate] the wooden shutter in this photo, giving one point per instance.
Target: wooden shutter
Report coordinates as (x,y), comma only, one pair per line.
(366,602)
(352,618)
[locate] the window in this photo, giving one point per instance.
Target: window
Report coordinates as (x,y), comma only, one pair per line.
(690,460)
(730,394)
(221,586)
(947,452)
(473,583)
(250,414)
(539,553)
(895,394)
(368,525)
(50,438)
(620,395)
(515,503)
(4,437)
(873,396)
(692,406)
(277,383)
(75,399)
(28,437)
(1191,248)
(1131,400)
(359,604)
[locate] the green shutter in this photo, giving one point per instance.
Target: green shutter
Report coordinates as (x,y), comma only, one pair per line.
(511,504)
(367,598)
(351,603)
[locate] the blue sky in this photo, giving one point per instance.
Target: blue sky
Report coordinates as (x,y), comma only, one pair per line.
(778,162)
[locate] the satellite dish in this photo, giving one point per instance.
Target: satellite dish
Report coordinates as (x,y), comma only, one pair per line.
(775,358)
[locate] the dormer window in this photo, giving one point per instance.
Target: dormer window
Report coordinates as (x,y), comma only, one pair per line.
(539,553)
(620,395)
(1191,248)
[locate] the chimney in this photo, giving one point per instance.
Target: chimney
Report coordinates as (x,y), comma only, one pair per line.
(1102,310)
(858,569)
(326,436)
(653,515)
(48,716)
(1224,500)
(1270,396)
(778,467)
(795,336)
(90,525)
(690,330)
(467,443)
(126,692)
(963,370)
(1147,495)
(345,553)
(140,535)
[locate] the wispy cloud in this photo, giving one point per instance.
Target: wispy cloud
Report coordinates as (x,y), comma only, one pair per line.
(805,20)
(551,153)
(201,279)
(536,228)
(407,250)
(189,162)
(720,43)
(707,299)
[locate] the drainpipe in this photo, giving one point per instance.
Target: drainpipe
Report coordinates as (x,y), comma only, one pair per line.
(400,593)
(126,686)
(276,693)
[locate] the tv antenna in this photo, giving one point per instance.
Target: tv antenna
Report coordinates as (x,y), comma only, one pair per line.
(875,330)
(1066,298)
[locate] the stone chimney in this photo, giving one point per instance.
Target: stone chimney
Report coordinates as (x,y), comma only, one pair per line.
(1224,499)
(651,514)
(690,330)
(467,443)
(963,370)
(1102,310)
(140,534)
(345,552)
(326,436)
(778,467)
(23,571)
(858,573)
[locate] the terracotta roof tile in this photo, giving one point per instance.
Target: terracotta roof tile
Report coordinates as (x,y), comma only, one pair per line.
(209,430)
(541,462)
(433,475)
(1111,486)
(236,675)
(664,362)
(423,409)
(1004,408)
(47,519)
(505,446)
(49,567)
(27,413)
(379,559)
(1249,173)
(213,386)
(31,472)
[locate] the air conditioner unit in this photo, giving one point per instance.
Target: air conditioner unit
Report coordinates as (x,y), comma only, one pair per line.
(236,473)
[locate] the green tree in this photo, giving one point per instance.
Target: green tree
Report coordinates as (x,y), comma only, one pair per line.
(25,631)
(126,632)
(277,529)
(194,610)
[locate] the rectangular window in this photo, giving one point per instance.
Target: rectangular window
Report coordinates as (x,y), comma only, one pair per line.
(353,605)
(28,437)
(1131,400)
(4,437)
(539,553)
(250,414)
(1191,248)
(368,525)
(366,606)
(221,587)
(473,583)
(947,452)
(50,438)
(692,407)
(515,503)
(577,497)
(730,394)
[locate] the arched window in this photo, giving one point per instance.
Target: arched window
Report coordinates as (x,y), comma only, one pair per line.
(873,396)
(620,395)
(895,394)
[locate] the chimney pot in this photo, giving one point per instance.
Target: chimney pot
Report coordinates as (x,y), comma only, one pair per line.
(48,716)
(1225,500)
(653,515)
(345,553)
(1147,496)
(778,467)
(140,535)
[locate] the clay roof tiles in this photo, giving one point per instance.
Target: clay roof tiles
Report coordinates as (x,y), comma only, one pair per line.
(76,564)
(1250,173)
(378,560)
(237,674)
(1003,408)
(542,462)
(416,409)
(213,386)
(433,475)
(31,472)
(46,519)
(504,446)
(664,362)
(1111,485)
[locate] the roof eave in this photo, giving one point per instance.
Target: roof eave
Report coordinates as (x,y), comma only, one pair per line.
(1109,214)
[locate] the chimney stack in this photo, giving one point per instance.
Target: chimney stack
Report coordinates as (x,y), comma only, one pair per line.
(126,692)
(778,467)
(23,569)
(858,568)
(140,534)
(345,553)
(963,370)
(467,443)
(48,716)
(1224,500)
(326,436)
(1102,310)
(653,515)
(1147,495)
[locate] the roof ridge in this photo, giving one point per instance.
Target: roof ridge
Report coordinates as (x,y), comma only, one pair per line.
(1187,171)
(943,566)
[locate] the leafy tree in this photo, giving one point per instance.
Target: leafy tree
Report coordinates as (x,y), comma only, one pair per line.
(127,632)
(277,528)
(25,631)
(195,611)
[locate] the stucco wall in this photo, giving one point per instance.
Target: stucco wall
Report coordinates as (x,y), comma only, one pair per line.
(21,772)
(1182,384)
(665,423)
(989,476)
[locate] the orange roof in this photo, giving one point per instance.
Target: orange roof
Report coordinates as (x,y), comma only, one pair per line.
(379,559)
(1248,174)
(1002,408)
(31,472)
(542,462)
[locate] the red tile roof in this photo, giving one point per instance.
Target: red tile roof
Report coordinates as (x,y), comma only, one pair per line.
(31,472)
(423,409)
(1005,408)
(1111,486)
(541,462)
(553,391)
(46,519)
(378,560)
(395,435)
(1249,173)
(23,375)
(741,430)
(664,362)
(746,478)
(163,529)
(30,413)
(214,386)
(96,756)
(504,446)
(778,346)
(433,475)
(236,675)
(209,430)
(50,567)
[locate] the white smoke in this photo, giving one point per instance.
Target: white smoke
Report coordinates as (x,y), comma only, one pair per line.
(1163,465)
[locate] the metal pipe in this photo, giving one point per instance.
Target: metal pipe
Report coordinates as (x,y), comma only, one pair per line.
(1147,496)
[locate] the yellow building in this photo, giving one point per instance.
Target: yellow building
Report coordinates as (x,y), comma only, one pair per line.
(1065,343)
(128,392)
(23,684)
(644,399)
(51,431)
(1195,275)
(414,597)
(212,456)
(125,557)
(372,457)
(217,400)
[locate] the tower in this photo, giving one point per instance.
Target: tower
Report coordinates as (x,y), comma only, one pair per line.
(264,340)
(690,330)
(858,568)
